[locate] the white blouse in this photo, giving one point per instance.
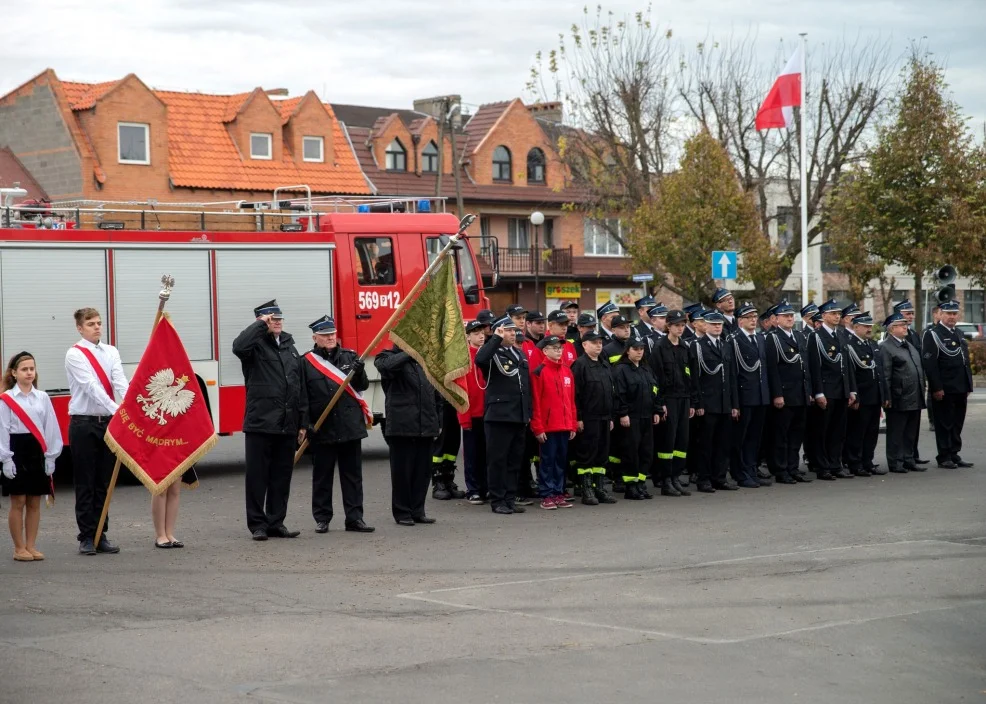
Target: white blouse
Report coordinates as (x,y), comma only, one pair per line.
(39,408)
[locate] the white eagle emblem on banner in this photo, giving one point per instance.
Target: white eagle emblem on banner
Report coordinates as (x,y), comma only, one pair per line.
(167,396)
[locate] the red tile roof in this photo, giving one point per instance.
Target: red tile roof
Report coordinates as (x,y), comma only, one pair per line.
(83,96)
(482,122)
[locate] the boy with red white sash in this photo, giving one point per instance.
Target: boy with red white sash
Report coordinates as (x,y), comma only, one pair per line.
(30,442)
(95,380)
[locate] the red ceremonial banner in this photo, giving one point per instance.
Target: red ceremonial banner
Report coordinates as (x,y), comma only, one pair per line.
(163,426)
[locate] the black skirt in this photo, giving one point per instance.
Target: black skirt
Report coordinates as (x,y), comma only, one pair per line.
(29,460)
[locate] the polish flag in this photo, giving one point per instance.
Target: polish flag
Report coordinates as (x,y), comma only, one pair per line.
(777,109)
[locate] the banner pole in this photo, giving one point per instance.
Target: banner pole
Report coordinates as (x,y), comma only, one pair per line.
(385,330)
(804,170)
(168,281)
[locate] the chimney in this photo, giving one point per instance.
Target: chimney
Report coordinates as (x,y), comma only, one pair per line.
(433,106)
(550,112)
(277,92)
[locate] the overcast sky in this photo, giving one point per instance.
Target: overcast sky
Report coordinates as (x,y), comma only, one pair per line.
(389,52)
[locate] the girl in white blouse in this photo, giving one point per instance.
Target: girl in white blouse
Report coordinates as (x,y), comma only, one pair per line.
(30,442)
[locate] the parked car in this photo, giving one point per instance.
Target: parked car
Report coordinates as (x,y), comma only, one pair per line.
(971,331)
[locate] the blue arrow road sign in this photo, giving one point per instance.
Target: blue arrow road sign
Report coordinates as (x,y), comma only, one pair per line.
(723,265)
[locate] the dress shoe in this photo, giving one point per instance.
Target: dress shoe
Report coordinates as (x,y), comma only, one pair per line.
(260,534)
(502,510)
(921,461)
(86,547)
(801,478)
(961,463)
(282,532)
(359,527)
(825,476)
(322,527)
(843,474)
(765,481)
(518,509)
(912,467)
(877,470)
(705,488)
(861,473)
(668,489)
(898,470)
(679,487)
(424,519)
(440,492)
(455,491)
(405,521)
(749,484)
(785,479)
(107,546)
(947,464)
(725,486)
(762,474)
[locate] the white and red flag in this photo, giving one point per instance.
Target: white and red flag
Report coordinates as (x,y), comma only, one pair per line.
(785,94)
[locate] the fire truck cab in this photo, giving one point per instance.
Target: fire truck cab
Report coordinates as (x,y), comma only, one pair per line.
(355,259)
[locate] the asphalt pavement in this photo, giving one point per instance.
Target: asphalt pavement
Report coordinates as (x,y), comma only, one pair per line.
(863,590)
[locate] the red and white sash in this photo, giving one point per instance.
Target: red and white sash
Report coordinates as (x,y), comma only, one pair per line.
(98,369)
(335,374)
(24,417)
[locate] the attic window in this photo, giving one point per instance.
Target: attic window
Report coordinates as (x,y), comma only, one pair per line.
(535,166)
(501,164)
(396,156)
(429,158)
(313,148)
(133,143)
(260,146)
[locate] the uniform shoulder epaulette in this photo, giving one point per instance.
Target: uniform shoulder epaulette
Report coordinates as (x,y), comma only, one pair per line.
(537,370)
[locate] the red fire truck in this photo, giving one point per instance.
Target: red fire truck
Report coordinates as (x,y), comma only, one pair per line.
(352,258)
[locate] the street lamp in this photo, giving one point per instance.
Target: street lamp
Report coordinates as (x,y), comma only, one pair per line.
(537,219)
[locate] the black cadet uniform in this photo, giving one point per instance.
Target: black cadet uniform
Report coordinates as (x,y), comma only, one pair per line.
(444,453)
(753,395)
(594,409)
(788,378)
(339,438)
(276,409)
(635,398)
(863,426)
(945,354)
(713,367)
(413,423)
(508,411)
(671,365)
(831,376)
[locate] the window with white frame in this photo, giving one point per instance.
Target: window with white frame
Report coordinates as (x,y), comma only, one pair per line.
(260,146)
(313,148)
(518,233)
(599,238)
(134,145)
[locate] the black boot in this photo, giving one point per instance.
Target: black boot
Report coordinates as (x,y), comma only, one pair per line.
(453,488)
(602,496)
(642,488)
(682,481)
(588,494)
(440,491)
(632,492)
(677,485)
(668,488)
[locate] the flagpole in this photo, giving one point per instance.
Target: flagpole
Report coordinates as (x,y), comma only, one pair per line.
(385,330)
(804,170)
(168,281)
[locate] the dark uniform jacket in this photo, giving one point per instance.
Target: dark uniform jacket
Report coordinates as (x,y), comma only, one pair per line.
(671,365)
(687,335)
(345,422)
(729,327)
(508,390)
(716,392)
(946,360)
(572,335)
(788,376)
(593,389)
(864,356)
(752,388)
(831,371)
(635,391)
(412,404)
(641,331)
(903,375)
(613,349)
(276,401)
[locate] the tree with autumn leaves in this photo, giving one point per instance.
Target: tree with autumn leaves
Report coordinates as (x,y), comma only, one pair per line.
(698,209)
(918,198)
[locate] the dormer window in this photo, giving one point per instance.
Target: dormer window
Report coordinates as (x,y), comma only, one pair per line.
(396,156)
(133,143)
(313,148)
(535,166)
(501,164)
(260,146)
(429,158)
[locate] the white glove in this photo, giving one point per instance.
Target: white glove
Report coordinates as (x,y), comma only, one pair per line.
(9,470)
(49,466)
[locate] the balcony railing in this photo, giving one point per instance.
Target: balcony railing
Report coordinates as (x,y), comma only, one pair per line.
(522,260)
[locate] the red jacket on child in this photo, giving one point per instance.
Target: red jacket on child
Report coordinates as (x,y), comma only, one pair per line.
(568,354)
(534,356)
(474,384)
(553,395)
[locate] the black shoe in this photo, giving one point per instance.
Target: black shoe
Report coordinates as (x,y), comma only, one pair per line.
(682,480)
(455,491)
(632,492)
(502,510)
(785,479)
(961,463)
(260,534)
(668,488)
(440,492)
(765,481)
(761,474)
(359,527)
(282,532)
(107,546)
(861,473)
(825,476)
(588,491)
(424,519)
(912,468)
(724,486)
(678,486)
(705,488)
(920,461)
(877,470)
(86,547)
(749,484)
(801,477)
(518,509)
(947,464)
(642,490)
(405,522)
(843,474)
(322,527)
(898,470)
